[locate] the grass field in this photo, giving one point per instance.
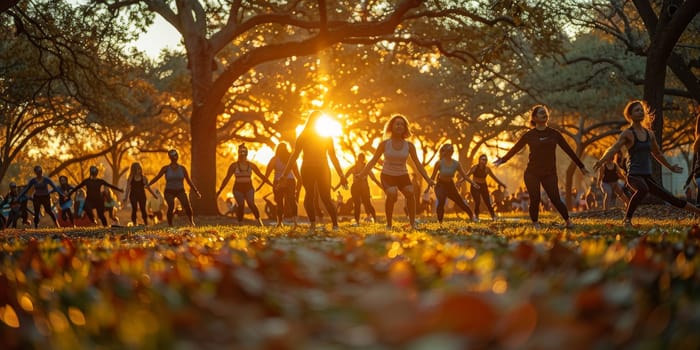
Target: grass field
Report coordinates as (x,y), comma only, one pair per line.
(487,285)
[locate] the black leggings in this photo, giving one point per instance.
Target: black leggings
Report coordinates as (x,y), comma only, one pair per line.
(317,179)
(285,199)
(181,195)
(447,189)
(98,204)
(140,202)
(482,193)
(43,201)
(360,196)
(550,183)
(644,184)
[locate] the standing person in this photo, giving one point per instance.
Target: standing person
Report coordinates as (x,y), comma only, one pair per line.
(136,192)
(609,176)
(15,202)
(359,190)
(542,165)
(243,190)
(445,169)
(65,202)
(479,172)
(394,176)
(284,187)
(175,177)
(641,146)
(93,195)
(315,172)
(42,195)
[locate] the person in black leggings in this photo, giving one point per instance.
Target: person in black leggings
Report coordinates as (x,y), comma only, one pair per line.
(479,172)
(542,165)
(93,195)
(360,189)
(42,195)
(641,146)
(175,177)
(315,172)
(136,192)
(445,169)
(243,190)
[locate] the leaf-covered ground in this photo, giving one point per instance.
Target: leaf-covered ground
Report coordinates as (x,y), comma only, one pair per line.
(485,285)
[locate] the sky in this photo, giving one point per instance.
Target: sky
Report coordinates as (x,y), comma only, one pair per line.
(159,36)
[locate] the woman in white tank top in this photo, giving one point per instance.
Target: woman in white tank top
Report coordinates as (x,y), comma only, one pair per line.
(394,176)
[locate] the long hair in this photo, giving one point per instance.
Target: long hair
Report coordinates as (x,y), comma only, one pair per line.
(648,113)
(135,166)
(390,124)
(282,152)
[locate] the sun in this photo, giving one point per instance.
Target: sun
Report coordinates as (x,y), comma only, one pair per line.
(328,126)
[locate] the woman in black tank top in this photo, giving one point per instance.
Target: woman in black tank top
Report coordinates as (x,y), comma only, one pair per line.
(608,177)
(136,192)
(641,146)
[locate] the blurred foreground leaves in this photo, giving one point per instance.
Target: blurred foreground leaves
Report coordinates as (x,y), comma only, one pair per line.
(489,285)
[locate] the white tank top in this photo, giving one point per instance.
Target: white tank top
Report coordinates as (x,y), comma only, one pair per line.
(395,160)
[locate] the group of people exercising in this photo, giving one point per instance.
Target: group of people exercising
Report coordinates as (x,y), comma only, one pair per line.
(314,175)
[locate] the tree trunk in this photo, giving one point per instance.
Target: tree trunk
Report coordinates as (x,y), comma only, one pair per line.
(203,131)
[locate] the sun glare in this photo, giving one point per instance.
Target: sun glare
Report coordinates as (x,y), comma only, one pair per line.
(327,126)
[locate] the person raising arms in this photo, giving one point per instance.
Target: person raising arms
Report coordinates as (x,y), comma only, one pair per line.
(394,176)
(641,146)
(42,195)
(93,195)
(541,167)
(175,176)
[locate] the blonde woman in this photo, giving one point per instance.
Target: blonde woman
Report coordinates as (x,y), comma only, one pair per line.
(394,177)
(136,192)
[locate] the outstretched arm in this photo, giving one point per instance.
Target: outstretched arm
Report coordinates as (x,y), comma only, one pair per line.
(107,184)
(189,182)
(260,174)
(229,173)
(419,165)
(160,173)
(375,158)
(295,154)
(570,152)
(624,140)
(659,156)
(513,151)
(336,164)
(493,176)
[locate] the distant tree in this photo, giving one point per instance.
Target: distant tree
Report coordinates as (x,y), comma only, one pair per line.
(263,31)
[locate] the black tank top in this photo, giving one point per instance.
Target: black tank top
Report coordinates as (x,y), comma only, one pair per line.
(138,189)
